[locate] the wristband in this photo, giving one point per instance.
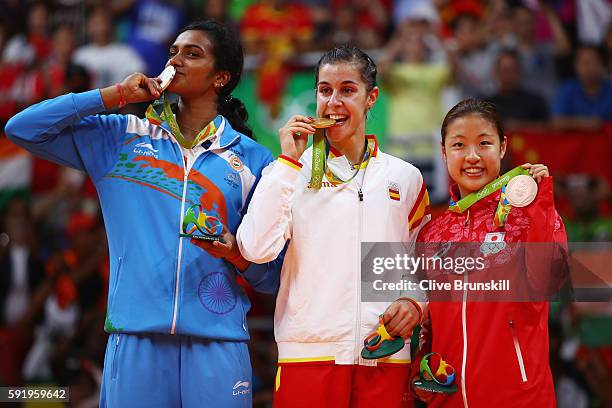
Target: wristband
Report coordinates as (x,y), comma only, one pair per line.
(122,98)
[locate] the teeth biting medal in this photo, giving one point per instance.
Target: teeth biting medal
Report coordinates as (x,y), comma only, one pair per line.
(322,123)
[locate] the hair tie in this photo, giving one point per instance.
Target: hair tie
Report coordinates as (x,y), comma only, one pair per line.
(229,98)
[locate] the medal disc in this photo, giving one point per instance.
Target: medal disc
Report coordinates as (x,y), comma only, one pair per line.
(521,191)
(321,123)
(166,76)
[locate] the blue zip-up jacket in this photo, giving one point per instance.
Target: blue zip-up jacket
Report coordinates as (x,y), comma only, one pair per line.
(159,282)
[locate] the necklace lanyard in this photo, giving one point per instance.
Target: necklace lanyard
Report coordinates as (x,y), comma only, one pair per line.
(503,207)
(168,116)
(320,161)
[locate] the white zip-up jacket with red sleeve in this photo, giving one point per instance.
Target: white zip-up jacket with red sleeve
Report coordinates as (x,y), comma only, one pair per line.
(320,315)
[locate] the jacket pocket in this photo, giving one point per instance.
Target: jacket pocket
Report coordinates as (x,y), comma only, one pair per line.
(519,354)
(115,287)
(114,364)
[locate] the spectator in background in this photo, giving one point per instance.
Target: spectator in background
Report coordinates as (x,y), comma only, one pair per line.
(585,102)
(153,25)
(607,46)
(587,195)
(538,58)
(35,45)
(276,30)
(20,269)
(415,76)
(475,55)
(218,10)
(372,20)
(54,69)
(517,106)
(81,274)
(344,28)
(21,60)
(23,284)
(109,62)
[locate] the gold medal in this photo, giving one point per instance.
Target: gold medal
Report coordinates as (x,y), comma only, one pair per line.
(322,123)
(521,191)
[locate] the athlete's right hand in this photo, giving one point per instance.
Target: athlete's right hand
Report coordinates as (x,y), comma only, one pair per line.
(294,136)
(140,88)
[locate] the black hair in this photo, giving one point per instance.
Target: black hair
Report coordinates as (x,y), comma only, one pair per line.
(351,55)
(229,56)
(473,106)
(596,48)
(511,53)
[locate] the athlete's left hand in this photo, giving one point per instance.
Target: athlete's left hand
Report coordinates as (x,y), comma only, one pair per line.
(537,171)
(227,249)
(401,317)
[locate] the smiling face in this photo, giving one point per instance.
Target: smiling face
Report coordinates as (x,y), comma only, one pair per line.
(192,56)
(342,95)
(472,151)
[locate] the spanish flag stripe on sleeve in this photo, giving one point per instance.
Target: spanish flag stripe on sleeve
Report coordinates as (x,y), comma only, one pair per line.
(289,161)
(420,208)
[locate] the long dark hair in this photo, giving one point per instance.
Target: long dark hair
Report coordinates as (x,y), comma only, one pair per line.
(229,56)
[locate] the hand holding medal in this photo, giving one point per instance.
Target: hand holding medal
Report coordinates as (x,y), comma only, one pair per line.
(136,88)
(294,135)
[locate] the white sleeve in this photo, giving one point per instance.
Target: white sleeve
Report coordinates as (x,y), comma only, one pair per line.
(265,228)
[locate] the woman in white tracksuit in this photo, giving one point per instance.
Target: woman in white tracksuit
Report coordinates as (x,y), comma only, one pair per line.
(365,196)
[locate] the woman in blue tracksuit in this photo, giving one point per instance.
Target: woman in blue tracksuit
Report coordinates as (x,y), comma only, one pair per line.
(176,316)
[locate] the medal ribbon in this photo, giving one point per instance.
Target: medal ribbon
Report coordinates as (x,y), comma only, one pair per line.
(321,164)
(168,116)
(503,209)
(487,190)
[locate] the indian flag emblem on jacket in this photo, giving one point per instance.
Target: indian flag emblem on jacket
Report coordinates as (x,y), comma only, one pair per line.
(394,191)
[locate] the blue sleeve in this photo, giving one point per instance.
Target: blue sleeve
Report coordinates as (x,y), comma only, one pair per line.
(264,278)
(64,131)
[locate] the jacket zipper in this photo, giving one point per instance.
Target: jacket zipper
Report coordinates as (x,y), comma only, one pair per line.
(180,248)
(358,280)
(465,341)
(517,349)
(464,323)
(358,258)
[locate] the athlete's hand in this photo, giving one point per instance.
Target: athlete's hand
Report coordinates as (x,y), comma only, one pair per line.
(401,317)
(227,249)
(140,88)
(294,136)
(537,171)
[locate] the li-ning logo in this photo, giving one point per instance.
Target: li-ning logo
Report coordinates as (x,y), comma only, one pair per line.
(145,149)
(241,388)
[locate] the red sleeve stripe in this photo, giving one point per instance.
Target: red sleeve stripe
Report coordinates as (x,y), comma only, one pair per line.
(289,161)
(417,202)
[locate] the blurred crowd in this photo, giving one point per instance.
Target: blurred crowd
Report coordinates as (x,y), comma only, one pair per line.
(547,66)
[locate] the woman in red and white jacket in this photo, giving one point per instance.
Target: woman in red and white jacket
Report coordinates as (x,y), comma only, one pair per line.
(499,347)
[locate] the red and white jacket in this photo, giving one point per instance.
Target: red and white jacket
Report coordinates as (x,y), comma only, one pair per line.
(499,349)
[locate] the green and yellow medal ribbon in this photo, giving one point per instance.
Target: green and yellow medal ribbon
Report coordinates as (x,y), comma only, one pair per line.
(503,207)
(319,161)
(157,118)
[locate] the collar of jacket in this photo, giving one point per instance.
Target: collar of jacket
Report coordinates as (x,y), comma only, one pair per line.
(228,137)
